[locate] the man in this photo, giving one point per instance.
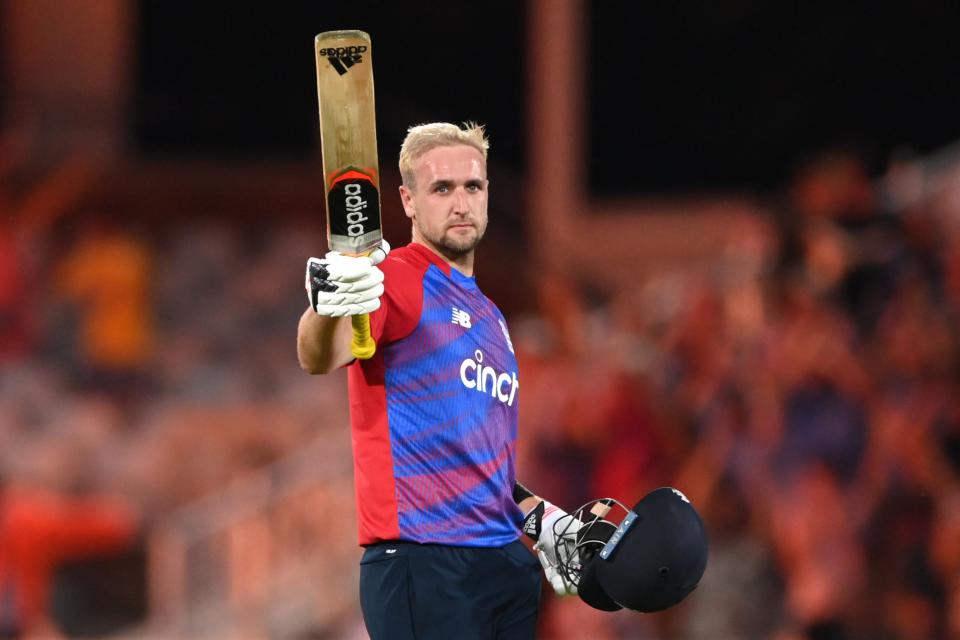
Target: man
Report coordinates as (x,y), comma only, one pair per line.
(433,412)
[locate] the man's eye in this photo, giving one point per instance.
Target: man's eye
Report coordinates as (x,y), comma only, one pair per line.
(441,188)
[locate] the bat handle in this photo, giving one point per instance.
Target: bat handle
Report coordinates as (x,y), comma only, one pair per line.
(362,346)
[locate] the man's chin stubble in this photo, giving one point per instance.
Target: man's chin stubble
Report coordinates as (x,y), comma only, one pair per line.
(453,249)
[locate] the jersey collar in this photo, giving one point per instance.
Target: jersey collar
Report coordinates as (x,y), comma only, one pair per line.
(430,256)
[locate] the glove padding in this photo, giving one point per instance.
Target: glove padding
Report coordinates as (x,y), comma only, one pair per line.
(543,524)
(338,285)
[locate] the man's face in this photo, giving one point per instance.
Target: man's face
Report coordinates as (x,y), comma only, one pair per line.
(448,200)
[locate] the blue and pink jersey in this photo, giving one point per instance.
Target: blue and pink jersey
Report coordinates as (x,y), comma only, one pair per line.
(434,412)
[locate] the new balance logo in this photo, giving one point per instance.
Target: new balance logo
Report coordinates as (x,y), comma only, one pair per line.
(342,58)
(461,318)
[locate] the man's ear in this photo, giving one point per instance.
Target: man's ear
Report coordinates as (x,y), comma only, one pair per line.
(406,198)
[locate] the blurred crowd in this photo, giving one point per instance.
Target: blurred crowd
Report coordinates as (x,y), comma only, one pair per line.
(142,369)
(802,390)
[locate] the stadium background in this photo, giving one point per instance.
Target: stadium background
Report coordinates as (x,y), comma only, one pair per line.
(726,238)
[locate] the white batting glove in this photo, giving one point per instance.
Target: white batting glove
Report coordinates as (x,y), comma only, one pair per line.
(543,524)
(339,285)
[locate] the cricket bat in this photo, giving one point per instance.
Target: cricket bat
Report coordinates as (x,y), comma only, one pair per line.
(348,135)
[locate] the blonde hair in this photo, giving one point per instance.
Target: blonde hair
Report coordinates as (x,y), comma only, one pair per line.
(424,137)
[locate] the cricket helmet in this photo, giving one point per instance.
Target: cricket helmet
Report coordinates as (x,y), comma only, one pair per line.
(646,559)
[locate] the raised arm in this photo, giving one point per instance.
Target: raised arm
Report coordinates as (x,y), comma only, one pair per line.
(323,342)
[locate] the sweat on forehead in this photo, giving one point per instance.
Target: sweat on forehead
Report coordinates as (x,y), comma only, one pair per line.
(454,165)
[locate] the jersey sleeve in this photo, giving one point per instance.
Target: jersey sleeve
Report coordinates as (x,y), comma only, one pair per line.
(401,303)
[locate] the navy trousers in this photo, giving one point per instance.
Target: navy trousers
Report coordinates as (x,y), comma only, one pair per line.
(409,590)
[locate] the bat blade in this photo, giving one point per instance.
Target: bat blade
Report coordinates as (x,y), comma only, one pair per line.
(348,135)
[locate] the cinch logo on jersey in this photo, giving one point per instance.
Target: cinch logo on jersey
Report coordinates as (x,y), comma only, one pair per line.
(354,205)
(342,58)
(475,375)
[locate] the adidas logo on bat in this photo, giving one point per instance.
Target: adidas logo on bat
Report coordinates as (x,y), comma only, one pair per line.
(342,58)
(355,204)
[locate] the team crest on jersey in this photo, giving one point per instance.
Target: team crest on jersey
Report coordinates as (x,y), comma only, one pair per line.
(506,334)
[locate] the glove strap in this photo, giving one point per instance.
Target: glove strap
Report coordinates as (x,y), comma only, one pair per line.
(521,493)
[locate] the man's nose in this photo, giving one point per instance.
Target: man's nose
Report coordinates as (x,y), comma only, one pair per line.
(460,201)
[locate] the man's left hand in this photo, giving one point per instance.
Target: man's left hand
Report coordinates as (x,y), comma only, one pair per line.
(555,534)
